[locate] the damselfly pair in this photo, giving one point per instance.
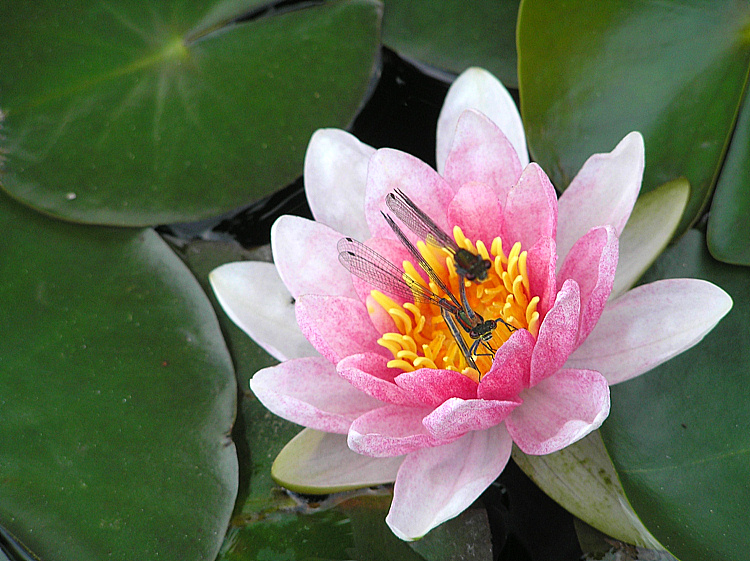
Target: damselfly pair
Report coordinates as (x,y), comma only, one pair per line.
(458,315)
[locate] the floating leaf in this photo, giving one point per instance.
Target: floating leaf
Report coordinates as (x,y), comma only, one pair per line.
(121,115)
(677,435)
(453,36)
(117,397)
(729,221)
(466,537)
(258,433)
(675,71)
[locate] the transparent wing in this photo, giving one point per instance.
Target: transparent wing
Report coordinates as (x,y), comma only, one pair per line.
(370,266)
(419,258)
(418,222)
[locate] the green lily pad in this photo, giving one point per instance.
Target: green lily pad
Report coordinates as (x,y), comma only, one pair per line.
(678,435)
(121,115)
(674,71)
(117,397)
(259,434)
(729,221)
(466,537)
(453,36)
(354,528)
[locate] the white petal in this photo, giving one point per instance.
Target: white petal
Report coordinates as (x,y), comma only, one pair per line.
(307,259)
(603,192)
(320,463)
(651,225)
(437,484)
(649,325)
(477,89)
(253,296)
(335,179)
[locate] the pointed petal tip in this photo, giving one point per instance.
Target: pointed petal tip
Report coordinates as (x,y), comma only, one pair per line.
(476,88)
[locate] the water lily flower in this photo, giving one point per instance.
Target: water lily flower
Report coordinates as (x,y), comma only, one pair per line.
(385,374)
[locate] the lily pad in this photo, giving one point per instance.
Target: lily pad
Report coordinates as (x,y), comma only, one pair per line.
(121,115)
(352,529)
(677,435)
(258,433)
(675,71)
(453,36)
(729,221)
(117,397)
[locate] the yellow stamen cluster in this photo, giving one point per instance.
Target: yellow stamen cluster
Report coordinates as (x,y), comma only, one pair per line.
(422,338)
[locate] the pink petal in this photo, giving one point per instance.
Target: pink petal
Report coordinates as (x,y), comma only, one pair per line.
(477,89)
(391,169)
(255,298)
(603,192)
(649,325)
(307,259)
(392,430)
(337,326)
(436,484)
(558,334)
(370,374)
(481,153)
(592,263)
(477,210)
(432,387)
(457,416)
(510,370)
(559,411)
(307,391)
(530,209)
(335,177)
(541,264)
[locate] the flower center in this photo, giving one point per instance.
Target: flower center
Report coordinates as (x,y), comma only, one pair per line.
(423,338)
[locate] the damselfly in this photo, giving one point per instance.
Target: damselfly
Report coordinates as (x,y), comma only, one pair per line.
(369,265)
(469,265)
(482,329)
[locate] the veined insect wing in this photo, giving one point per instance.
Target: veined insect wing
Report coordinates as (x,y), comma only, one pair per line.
(418,221)
(469,265)
(367,264)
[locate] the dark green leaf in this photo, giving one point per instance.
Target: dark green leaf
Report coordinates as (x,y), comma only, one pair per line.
(453,36)
(673,70)
(678,434)
(124,115)
(342,529)
(258,434)
(729,221)
(117,396)
(466,537)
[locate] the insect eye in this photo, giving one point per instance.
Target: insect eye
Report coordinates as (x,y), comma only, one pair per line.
(470,277)
(487,264)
